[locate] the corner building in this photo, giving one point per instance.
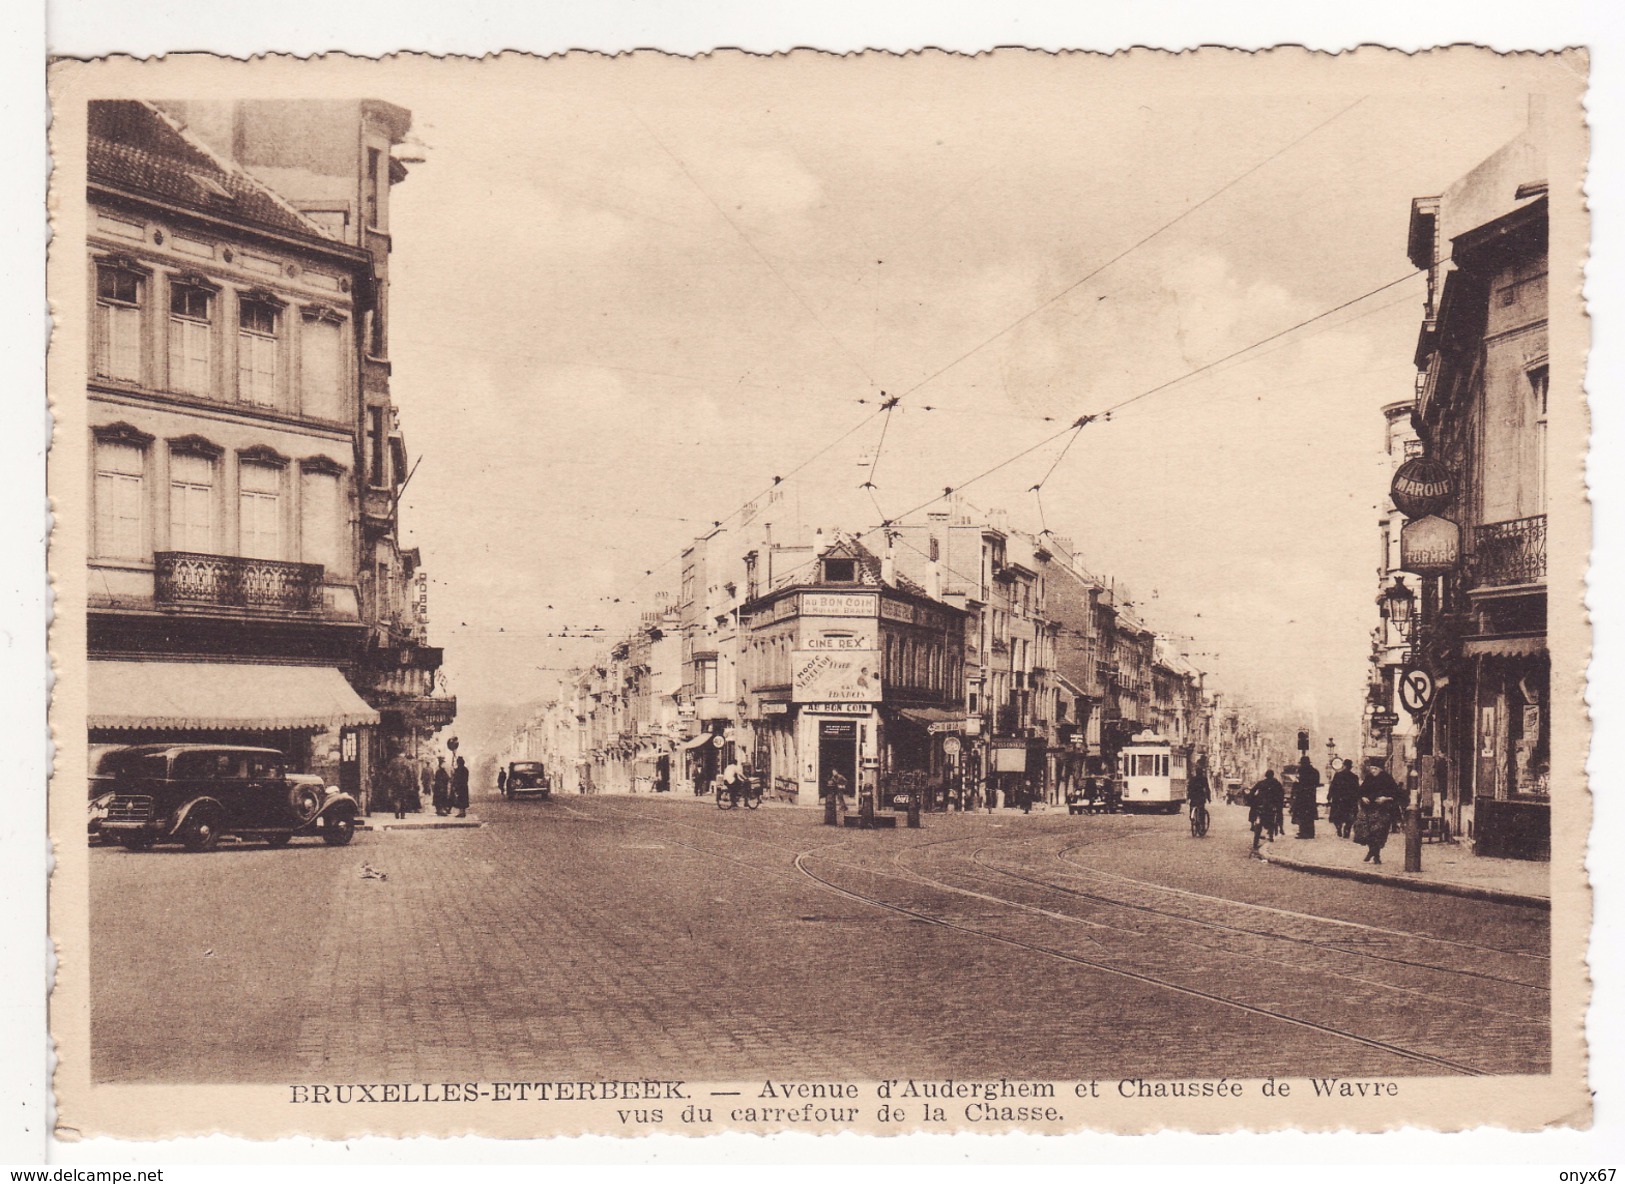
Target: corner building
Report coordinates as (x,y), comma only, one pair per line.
(244,563)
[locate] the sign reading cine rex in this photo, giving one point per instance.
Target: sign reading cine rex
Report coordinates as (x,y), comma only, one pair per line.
(846,676)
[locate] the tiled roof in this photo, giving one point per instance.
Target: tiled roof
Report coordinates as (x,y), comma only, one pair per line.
(134,147)
(868,565)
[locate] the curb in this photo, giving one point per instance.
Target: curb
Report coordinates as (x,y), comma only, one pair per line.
(390,824)
(1440,887)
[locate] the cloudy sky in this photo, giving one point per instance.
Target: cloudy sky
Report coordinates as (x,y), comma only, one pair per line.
(628,293)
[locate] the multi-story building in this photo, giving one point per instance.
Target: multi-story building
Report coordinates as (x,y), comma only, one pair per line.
(1484,741)
(852,675)
(241,494)
(1000,578)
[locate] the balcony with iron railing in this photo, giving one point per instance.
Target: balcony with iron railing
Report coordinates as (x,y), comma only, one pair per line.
(1508,554)
(190,579)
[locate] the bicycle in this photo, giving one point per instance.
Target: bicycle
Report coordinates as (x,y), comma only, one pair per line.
(1199,820)
(731,797)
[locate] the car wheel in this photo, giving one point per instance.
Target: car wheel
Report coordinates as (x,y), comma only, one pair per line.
(304,802)
(201,830)
(136,842)
(339,830)
(279,840)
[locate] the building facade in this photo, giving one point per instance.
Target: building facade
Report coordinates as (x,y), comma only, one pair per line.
(1484,738)
(237,515)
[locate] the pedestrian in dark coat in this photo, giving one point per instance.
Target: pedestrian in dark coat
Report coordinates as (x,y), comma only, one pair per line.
(401,781)
(459,788)
(1265,800)
(502,781)
(1345,799)
(1379,809)
(1305,806)
(442,788)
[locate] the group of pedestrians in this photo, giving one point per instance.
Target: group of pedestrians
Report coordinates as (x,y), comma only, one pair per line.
(1364,811)
(405,786)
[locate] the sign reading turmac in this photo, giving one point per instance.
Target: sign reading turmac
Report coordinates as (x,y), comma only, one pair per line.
(845,676)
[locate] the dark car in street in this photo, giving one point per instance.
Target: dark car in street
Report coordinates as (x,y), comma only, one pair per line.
(195,793)
(527,779)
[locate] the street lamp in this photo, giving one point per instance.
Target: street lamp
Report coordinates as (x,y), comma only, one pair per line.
(1399,605)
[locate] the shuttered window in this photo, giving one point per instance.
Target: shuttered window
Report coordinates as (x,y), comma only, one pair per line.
(191,503)
(259,510)
(321,521)
(191,331)
(118,324)
(321,369)
(120,501)
(257,375)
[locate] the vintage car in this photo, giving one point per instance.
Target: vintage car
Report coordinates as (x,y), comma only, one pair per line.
(194,793)
(527,778)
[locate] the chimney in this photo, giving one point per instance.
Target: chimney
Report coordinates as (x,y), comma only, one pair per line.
(933,579)
(888,563)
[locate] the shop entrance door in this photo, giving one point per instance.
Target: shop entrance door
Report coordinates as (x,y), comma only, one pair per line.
(837,756)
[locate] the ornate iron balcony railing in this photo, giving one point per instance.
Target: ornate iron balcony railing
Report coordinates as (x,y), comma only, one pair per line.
(231,581)
(1511,552)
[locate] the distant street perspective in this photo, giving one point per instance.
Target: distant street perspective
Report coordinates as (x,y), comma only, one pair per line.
(605,937)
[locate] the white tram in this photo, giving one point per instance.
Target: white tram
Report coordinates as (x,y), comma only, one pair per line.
(1153,774)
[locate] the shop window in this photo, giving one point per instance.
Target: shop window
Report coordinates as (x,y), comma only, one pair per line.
(191,338)
(119,296)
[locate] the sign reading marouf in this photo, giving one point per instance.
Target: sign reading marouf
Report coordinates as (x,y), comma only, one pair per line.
(1421,486)
(847,676)
(1430,546)
(839,604)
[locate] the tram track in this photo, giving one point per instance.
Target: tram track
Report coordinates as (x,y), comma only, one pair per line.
(825,879)
(1363,980)
(1310,943)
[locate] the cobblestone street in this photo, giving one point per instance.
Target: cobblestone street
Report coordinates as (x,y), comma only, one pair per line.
(626,936)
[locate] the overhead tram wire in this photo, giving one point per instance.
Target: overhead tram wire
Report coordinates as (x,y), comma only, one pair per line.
(1129,250)
(1106,413)
(890,402)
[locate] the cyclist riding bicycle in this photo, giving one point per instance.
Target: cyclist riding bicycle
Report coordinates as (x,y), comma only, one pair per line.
(1197,796)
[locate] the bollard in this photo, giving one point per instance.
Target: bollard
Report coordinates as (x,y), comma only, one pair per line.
(1413,838)
(831,805)
(914,811)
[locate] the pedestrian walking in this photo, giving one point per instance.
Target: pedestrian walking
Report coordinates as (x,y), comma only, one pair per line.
(459,788)
(401,782)
(502,782)
(1305,798)
(442,788)
(1345,800)
(1378,811)
(1264,812)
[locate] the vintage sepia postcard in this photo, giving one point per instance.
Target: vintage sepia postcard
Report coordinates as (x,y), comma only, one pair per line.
(642,594)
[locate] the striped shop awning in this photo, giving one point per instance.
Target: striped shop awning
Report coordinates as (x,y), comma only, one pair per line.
(223,696)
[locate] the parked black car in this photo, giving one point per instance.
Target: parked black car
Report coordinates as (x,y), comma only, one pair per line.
(194,793)
(526,778)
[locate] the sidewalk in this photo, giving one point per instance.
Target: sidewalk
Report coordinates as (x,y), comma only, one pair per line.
(1450,868)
